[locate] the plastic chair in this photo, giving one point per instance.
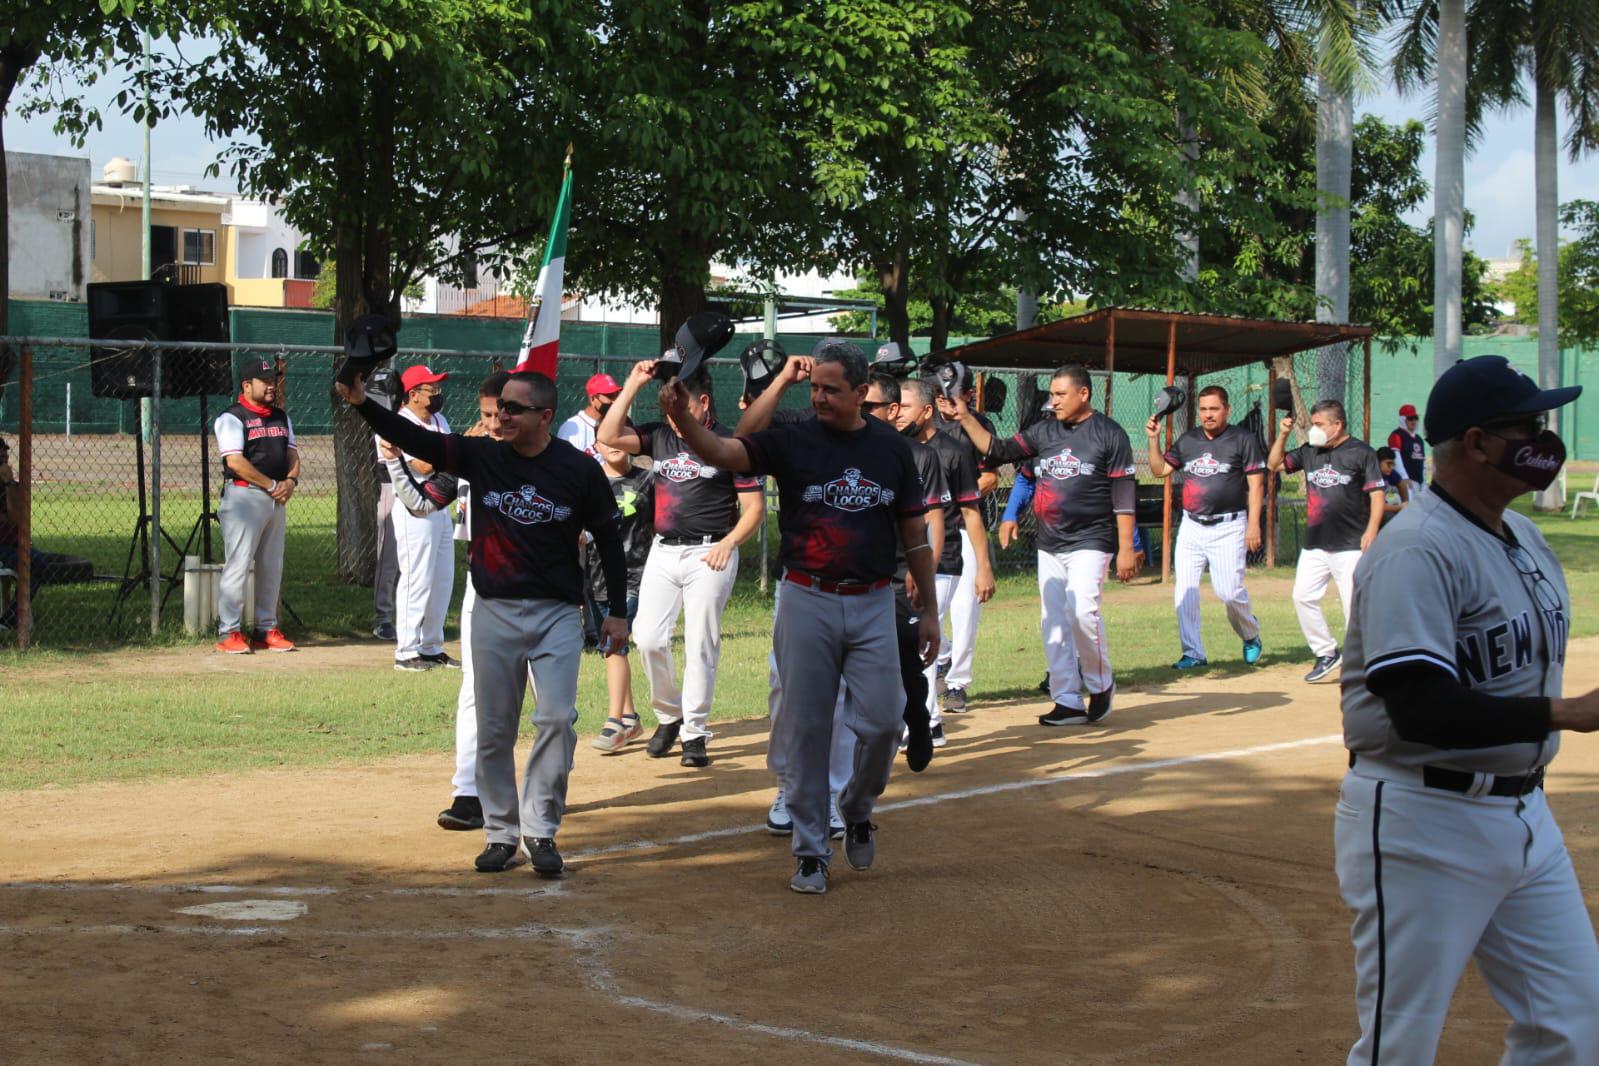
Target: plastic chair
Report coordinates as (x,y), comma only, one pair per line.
(1576,501)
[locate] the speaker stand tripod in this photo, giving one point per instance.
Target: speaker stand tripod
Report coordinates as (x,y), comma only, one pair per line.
(136,572)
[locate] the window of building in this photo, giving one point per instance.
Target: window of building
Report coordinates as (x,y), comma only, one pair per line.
(280,263)
(199,246)
(306,265)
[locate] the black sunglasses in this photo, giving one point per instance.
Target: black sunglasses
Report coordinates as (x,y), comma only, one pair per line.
(872,405)
(511,407)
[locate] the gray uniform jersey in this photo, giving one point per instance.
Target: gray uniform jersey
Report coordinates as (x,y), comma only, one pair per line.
(1440,589)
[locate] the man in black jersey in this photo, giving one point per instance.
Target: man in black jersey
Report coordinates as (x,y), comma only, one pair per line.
(532,498)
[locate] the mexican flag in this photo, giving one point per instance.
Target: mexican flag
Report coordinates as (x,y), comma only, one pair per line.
(543,335)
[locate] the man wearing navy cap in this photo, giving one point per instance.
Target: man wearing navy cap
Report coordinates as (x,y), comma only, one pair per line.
(1452,708)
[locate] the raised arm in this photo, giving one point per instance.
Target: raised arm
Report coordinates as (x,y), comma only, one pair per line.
(613,430)
(758,415)
(1158,466)
(1277,458)
(431,447)
(998,452)
(728,453)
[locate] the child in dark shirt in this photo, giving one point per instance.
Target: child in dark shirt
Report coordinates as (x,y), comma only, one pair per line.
(634,490)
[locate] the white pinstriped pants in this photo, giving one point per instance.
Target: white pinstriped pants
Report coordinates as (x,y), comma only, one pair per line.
(1069,586)
(960,633)
(1219,548)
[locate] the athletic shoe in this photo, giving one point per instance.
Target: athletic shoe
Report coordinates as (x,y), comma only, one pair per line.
(1043,686)
(464,812)
(618,734)
(955,700)
(384,631)
(778,823)
(272,640)
(1061,715)
(495,858)
(1252,651)
(1325,665)
(917,744)
(660,745)
(937,735)
(415,664)
(234,644)
(546,860)
(1099,705)
(858,846)
(694,752)
(810,877)
(1188,662)
(441,659)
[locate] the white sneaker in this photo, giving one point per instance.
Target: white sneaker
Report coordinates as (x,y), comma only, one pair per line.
(835,821)
(778,823)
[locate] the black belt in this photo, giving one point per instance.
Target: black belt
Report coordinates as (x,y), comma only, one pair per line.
(1211,519)
(680,542)
(1464,781)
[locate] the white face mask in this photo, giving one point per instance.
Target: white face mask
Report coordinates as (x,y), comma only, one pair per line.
(1317,437)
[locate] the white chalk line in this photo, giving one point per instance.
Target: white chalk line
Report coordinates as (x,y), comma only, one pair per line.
(1142,766)
(551,889)
(289,932)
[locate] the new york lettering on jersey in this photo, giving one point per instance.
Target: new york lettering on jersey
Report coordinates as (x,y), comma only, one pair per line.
(958,475)
(692,498)
(841,495)
(1215,470)
(1338,486)
(1075,465)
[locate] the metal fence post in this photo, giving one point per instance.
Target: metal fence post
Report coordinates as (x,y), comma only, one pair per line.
(155,492)
(25,519)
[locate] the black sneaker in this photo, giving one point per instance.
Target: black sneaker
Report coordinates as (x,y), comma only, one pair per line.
(660,745)
(955,700)
(495,858)
(384,631)
(859,848)
(441,659)
(694,752)
(1099,704)
(546,860)
(1059,715)
(1043,686)
(464,812)
(918,741)
(937,735)
(415,664)
(1325,665)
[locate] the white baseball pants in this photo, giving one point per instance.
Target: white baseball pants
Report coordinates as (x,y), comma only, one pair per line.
(1437,878)
(960,633)
(1316,568)
(841,757)
(1220,549)
(427,579)
(465,781)
(675,580)
(945,585)
(252,535)
(1069,587)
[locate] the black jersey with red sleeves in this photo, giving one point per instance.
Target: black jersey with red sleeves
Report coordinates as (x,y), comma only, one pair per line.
(841,495)
(959,472)
(935,494)
(1215,469)
(692,497)
(1338,486)
(1075,465)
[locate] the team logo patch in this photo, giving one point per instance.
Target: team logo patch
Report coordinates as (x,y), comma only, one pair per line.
(526,506)
(1206,465)
(1327,478)
(1065,465)
(684,467)
(852,492)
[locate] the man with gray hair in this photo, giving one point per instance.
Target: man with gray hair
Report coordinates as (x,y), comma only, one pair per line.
(850,496)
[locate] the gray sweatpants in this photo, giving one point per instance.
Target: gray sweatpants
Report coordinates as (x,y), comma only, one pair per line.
(387,574)
(252,532)
(820,638)
(513,640)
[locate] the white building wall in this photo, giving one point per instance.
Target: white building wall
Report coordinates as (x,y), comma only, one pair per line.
(50,220)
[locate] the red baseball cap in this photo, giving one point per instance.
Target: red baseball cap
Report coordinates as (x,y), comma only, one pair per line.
(419,375)
(1408,411)
(602,385)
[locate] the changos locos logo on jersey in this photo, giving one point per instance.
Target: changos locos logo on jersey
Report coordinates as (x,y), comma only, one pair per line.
(526,506)
(684,467)
(852,492)
(1327,478)
(1206,465)
(1065,465)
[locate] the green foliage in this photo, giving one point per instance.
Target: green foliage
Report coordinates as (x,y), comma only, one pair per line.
(1577,274)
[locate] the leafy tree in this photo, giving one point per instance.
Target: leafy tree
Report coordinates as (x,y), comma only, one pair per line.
(1577,273)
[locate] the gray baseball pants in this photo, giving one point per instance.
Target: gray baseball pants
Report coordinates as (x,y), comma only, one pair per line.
(387,574)
(820,638)
(511,641)
(252,532)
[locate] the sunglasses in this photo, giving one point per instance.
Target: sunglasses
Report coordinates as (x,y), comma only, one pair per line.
(873,405)
(512,408)
(1543,590)
(1534,425)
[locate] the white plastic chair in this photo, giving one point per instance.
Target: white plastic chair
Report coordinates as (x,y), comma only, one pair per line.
(1576,501)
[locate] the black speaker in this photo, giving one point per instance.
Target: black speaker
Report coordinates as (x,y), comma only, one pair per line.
(156,311)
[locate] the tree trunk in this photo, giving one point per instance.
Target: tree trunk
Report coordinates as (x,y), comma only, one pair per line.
(1335,146)
(943,316)
(1449,184)
(894,280)
(1188,235)
(683,278)
(1546,193)
(1026,295)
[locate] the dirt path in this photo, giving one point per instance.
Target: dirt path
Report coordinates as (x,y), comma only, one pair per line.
(1157,890)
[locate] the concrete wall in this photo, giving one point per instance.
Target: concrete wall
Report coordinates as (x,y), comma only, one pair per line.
(118,241)
(49,231)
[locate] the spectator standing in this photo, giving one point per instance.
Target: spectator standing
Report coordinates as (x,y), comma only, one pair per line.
(423,542)
(582,428)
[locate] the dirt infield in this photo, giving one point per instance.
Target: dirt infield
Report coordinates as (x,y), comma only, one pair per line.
(1158,889)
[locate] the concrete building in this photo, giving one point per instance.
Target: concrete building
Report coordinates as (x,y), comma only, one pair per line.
(269,267)
(49,236)
(188,242)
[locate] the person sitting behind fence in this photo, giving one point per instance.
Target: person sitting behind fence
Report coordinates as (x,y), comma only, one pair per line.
(46,568)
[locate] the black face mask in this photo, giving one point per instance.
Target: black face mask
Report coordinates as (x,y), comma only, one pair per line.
(435,403)
(1535,462)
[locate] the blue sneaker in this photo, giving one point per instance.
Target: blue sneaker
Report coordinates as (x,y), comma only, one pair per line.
(1252,651)
(1188,662)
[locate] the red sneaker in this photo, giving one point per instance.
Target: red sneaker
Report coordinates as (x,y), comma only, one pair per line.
(273,640)
(234,644)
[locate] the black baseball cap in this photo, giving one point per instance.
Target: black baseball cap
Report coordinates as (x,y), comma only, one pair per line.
(1476,392)
(263,369)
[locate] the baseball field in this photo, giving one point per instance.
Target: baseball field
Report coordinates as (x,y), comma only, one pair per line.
(235,859)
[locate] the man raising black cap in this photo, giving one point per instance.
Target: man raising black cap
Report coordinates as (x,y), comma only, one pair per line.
(1452,708)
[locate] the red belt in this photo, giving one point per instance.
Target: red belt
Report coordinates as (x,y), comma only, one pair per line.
(837,588)
(243,484)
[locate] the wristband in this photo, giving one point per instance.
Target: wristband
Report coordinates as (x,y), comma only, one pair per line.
(294,479)
(274,488)
(918,547)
